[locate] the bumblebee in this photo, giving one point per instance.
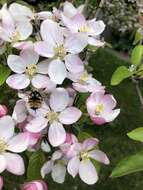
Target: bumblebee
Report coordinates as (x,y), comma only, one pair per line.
(35,100)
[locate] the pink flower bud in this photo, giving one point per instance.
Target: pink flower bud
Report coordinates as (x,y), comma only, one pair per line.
(1,182)
(3,110)
(35,185)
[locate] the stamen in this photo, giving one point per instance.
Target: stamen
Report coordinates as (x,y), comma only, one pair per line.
(99,108)
(31,69)
(3,146)
(60,51)
(52,116)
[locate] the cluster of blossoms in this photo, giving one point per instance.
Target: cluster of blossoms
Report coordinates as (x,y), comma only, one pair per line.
(48,72)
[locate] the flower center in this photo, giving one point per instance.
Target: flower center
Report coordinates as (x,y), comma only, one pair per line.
(52,116)
(15,36)
(84,78)
(84,155)
(31,69)
(3,146)
(59,51)
(84,28)
(99,108)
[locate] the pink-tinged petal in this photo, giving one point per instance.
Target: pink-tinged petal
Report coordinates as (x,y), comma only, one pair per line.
(23,45)
(57,155)
(56,134)
(74,64)
(35,185)
(15,163)
(69,10)
(109,101)
(57,75)
(110,116)
(20,12)
(3,163)
(95,42)
(97,26)
(44,15)
(1,182)
(59,99)
(42,67)
(74,150)
(40,81)
(16,64)
(46,168)
(19,143)
(59,173)
(29,56)
(75,43)
(99,156)
(87,172)
(3,110)
(25,29)
(98,120)
(73,166)
(36,125)
(20,111)
(70,115)
(44,49)
(90,143)
(18,81)
(6,127)
(52,32)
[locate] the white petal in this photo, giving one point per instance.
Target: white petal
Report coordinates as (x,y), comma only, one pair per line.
(16,64)
(97,26)
(18,81)
(73,166)
(30,56)
(59,173)
(3,163)
(19,143)
(6,127)
(99,156)
(56,134)
(70,115)
(87,172)
(59,99)
(40,81)
(57,71)
(46,168)
(24,29)
(15,163)
(37,124)
(42,67)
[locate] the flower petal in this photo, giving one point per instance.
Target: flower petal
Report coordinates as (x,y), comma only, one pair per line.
(73,166)
(59,99)
(90,143)
(15,163)
(97,26)
(99,156)
(18,81)
(40,81)
(59,173)
(70,115)
(74,64)
(56,134)
(30,56)
(42,67)
(19,143)
(57,71)
(24,29)
(46,168)
(87,172)
(6,127)
(3,163)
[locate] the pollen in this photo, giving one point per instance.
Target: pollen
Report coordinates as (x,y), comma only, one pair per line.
(84,155)
(3,146)
(84,28)
(52,116)
(84,78)
(99,108)
(31,69)
(59,51)
(15,36)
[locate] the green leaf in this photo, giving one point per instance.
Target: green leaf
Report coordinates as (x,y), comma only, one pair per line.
(136,134)
(4,73)
(129,165)
(136,55)
(120,74)
(83,136)
(138,38)
(97,165)
(35,163)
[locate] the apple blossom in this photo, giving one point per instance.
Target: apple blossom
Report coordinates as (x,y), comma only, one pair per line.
(57,167)
(84,82)
(26,68)
(57,115)
(57,47)
(3,110)
(1,182)
(81,161)
(35,185)
(11,161)
(100,107)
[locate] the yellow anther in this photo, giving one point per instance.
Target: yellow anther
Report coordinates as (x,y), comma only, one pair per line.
(3,146)
(99,108)
(59,51)
(52,116)
(31,69)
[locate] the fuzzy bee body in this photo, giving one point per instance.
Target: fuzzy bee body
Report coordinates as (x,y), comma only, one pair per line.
(35,100)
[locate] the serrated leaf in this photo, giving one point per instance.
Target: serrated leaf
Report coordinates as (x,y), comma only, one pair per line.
(4,73)
(136,55)
(35,163)
(120,74)
(128,165)
(136,134)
